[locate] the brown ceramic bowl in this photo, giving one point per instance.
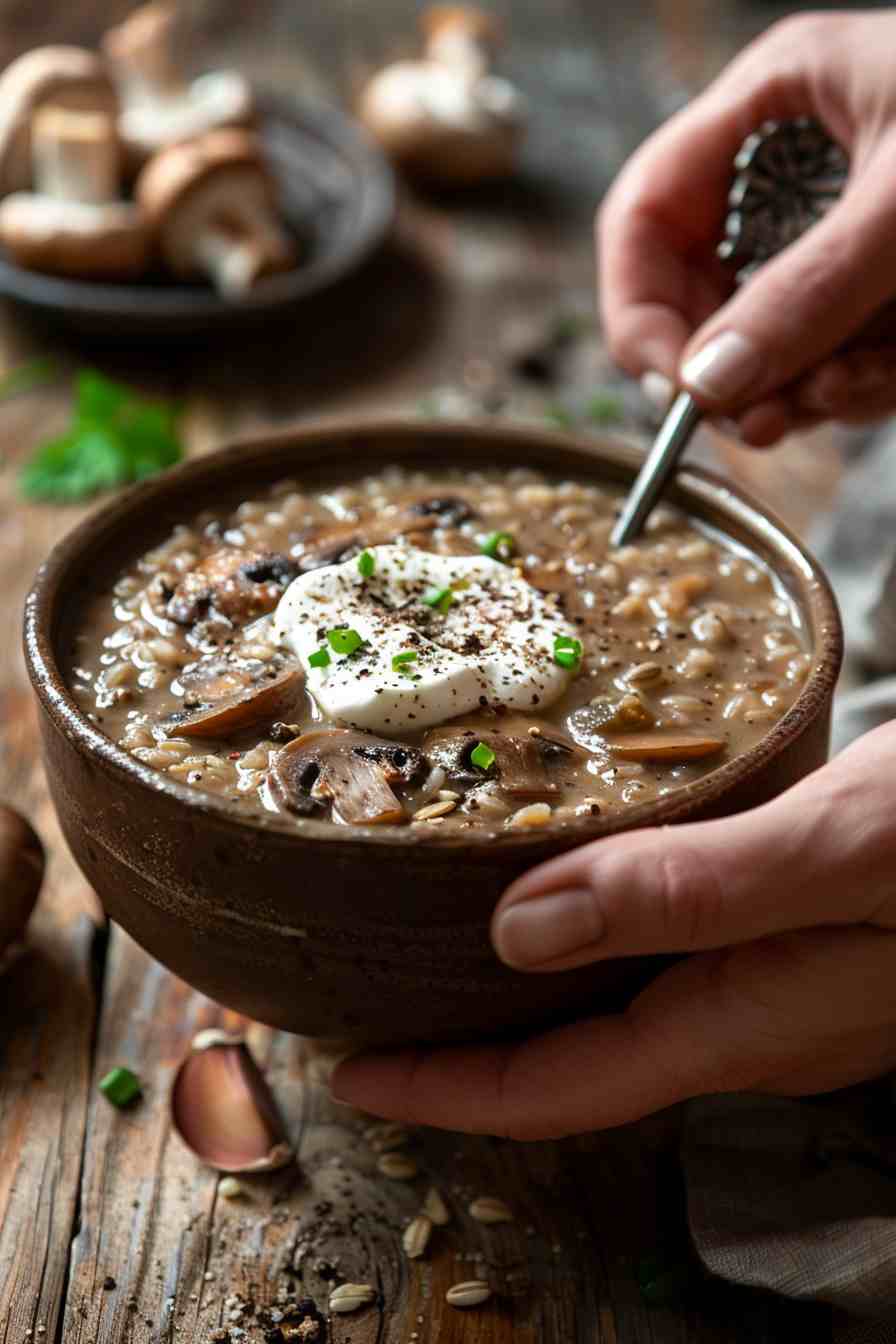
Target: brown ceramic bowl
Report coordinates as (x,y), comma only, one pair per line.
(377,935)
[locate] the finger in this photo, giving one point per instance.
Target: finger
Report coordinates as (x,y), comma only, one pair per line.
(602,1072)
(824,852)
(769,422)
(850,384)
(758,1018)
(801,305)
(658,227)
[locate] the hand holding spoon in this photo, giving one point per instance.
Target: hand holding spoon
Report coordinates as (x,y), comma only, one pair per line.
(788,175)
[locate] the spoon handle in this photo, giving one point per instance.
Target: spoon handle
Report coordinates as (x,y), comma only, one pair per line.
(680,422)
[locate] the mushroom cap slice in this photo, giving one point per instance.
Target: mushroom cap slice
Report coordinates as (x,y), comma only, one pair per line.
(214,191)
(67,77)
(420,514)
(262,698)
(665,746)
(353,770)
(102,242)
(523,764)
(239,585)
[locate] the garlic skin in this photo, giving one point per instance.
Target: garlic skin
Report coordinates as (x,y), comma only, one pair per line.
(223,1109)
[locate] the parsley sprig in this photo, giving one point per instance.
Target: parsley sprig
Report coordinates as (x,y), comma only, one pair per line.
(115,437)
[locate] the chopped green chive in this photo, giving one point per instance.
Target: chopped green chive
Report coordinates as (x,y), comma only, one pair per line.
(438,597)
(344,640)
(482,756)
(401,660)
(320,658)
(567,651)
(499,545)
(366,564)
(120,1087)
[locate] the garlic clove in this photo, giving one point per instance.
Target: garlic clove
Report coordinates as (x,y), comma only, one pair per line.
(223,1109)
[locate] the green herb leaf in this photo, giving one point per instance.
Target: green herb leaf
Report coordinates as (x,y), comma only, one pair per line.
(401,659)
(499,545)
(320,658)
(344,640)
(482,756)
(604,408)
(115,437)
(366,564)
(567,651)
(558,416)
(438,597)
(120,1086)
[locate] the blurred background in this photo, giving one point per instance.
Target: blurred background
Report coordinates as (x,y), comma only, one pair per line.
(428,319)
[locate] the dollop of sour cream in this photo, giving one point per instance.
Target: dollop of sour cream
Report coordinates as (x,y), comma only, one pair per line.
(437,636)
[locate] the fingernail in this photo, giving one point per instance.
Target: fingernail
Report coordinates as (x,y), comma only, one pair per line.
(539,931)
(722,369)
(657,389)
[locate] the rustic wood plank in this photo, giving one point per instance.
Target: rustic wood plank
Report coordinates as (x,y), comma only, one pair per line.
(149,1216)
(47,999)
(184,1260)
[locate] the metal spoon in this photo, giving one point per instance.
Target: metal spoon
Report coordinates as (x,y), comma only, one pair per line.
(787,176)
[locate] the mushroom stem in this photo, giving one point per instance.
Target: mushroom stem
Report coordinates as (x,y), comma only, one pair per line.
(75,156)
(462,39)
(232,262)
(144,50)
(237,251)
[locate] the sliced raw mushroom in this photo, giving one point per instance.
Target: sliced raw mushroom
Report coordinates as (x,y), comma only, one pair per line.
(213,203)
(353,771)
(419,514)
(589,724)
(160,105)
(662,746)
(73,223)
(236,584)
(66,77)
(525,766)
(262,698)
(447,510)
(446,117)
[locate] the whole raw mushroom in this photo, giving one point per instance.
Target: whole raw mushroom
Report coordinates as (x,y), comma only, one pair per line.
(73,223)
(21,874)
(213,206)
(66,77)
(446,117)
(160,105)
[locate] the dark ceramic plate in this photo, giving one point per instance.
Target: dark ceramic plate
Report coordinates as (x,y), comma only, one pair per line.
(338,198)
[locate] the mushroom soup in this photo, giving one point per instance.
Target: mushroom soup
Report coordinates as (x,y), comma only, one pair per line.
(449,650)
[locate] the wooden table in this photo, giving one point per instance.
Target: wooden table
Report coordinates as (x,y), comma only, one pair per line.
(109,1229)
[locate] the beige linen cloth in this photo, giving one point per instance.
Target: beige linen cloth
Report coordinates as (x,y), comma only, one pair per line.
(799,1197)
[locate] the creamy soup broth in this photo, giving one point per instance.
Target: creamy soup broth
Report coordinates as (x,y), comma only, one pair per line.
(589,680)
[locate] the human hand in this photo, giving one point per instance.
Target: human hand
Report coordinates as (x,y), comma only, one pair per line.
(790,912)
(792,347)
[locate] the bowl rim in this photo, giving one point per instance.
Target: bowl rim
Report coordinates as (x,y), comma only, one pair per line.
(692,484)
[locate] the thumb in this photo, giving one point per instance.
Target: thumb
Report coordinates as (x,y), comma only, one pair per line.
(822,854)
(804,303)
